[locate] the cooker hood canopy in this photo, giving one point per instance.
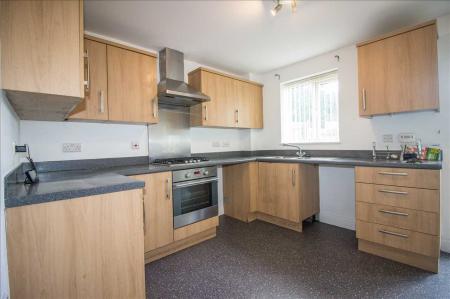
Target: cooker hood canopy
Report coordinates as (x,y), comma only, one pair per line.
(172,90)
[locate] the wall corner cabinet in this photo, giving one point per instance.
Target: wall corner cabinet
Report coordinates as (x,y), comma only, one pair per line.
(398,72)
(121,84)
(42,57)
(284,194)
(235,102)
(87,247)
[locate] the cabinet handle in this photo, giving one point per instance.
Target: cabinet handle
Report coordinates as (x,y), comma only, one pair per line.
(101,102)
(87,82)
(168,189)
(293,177)
(155,108)
(364,99)
(392,233)
(206,112)
(393,213)
(393,192)
(143,208)
(236,115)
(393,173)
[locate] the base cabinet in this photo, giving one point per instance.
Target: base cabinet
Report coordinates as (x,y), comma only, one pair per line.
(89,247)
(284,194)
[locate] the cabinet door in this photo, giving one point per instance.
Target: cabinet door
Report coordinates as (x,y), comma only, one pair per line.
(411,70)
(158,209)
(256,106)
(220,111)
(279,190)
(240,183)
(42,47)
(131,86)
(95,103)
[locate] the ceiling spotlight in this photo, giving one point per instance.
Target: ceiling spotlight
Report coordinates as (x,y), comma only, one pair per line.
(276,8)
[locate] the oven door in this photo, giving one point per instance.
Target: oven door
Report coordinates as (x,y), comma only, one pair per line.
(194,201)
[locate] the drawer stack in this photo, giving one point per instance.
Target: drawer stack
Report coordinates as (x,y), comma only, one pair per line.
(397,214)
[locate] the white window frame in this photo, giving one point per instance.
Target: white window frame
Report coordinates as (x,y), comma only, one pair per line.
(323,76)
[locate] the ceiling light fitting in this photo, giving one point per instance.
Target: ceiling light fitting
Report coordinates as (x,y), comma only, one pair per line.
(278,5)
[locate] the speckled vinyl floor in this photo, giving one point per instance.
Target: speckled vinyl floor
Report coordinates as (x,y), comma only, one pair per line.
(260,260)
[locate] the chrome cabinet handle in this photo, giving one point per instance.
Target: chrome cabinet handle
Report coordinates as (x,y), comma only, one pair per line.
(393,192)
(393,173)
(293,177)
(87,82)
(364,99)
(167,189)
(155,108)
(392,233)
(101,102)
(236,112)
(206,112)
(393,213)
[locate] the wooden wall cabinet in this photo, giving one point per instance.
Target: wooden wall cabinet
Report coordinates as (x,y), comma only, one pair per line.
(42,57)
(158,209)
(284,194)
(89,247)
(121,84)
(235,103)
(398,72)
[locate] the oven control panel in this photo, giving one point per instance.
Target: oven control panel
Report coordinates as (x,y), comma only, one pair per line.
(194,174)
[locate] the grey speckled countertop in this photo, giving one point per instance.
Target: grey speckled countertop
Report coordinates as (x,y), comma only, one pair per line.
(59,185)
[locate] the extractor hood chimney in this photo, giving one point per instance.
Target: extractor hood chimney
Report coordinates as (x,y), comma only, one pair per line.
(172,90)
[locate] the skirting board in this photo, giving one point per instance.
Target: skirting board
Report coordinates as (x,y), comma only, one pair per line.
(337,220)
(445,244)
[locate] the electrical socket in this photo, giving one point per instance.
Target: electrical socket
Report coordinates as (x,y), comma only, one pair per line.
(135,145)
(407,138)
(215,144)
(388,138)
(71,147)
(225,144)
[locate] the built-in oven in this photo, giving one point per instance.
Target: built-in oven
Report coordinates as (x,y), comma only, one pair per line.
(195,195)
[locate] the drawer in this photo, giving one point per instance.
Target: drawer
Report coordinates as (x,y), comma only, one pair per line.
(418,178)
(398,238)
(409,198)
(419,221)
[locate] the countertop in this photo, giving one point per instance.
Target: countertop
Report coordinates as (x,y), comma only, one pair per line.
(60,185)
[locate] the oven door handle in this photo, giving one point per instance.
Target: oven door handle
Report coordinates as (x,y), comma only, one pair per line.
(194,183)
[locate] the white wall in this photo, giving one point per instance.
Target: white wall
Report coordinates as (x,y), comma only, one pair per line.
(9,135)
(359,133)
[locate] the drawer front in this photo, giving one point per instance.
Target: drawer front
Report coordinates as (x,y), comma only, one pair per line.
(409,198)
(398,238)
(418,178)
(413,220)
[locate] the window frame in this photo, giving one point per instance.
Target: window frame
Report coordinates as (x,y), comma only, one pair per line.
(324,74)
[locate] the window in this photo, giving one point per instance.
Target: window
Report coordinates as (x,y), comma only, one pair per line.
(310,110)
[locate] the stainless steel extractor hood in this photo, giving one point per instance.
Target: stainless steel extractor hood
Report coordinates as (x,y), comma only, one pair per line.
(172,90)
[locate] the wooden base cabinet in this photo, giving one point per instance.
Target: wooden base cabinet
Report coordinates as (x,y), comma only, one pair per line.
(284,194)
(89,247)
(398,214)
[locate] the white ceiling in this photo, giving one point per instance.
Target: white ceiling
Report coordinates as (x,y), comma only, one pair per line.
(243,37)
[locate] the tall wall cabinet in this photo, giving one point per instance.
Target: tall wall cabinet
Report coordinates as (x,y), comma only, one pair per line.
(398,72)
(121,84)
(235,103)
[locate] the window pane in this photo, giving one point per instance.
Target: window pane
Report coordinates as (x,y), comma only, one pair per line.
(310,110)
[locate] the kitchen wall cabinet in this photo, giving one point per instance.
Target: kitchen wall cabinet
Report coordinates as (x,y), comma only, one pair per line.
(235,103)
(284,194)
(397,214)
(95,103)
(42,57)
(78,248)
(121,84)
(398,72)
(158,210)
(240,190)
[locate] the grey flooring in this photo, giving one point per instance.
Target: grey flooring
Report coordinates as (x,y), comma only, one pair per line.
(260,260)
